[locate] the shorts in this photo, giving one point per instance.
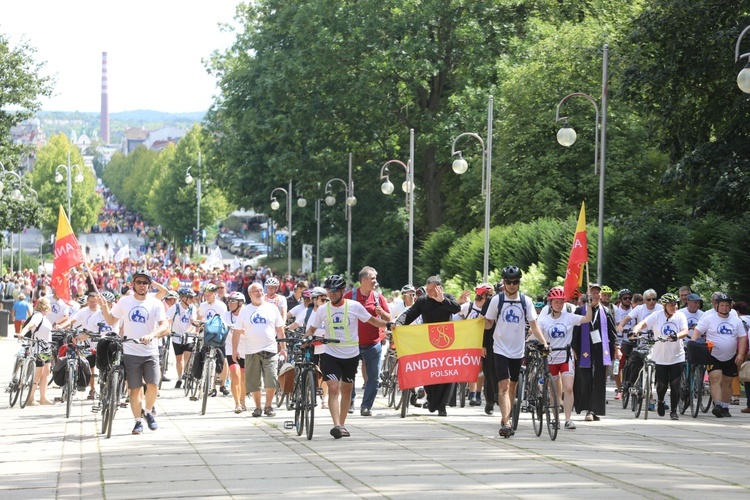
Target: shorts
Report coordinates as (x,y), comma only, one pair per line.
(507,368)
(561,369)
(39,363)
(263,364)
(728,368)
(240,362)
(141,368)
(339,369)
(180,348)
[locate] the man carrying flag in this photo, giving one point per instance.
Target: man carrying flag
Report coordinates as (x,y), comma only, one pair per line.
(67,255)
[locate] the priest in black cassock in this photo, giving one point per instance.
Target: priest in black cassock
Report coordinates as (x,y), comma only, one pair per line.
(595,348)
(434,307)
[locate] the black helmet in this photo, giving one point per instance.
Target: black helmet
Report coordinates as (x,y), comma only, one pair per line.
(145,273)
(723,297)
(334,283)
(511,272)
(623,292)
(182,292)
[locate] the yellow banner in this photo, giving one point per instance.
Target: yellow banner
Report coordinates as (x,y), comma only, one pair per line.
(435,337)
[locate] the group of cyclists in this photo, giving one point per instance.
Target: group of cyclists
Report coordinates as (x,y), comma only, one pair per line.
(585,336)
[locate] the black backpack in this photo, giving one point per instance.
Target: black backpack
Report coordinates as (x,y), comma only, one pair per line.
(501,301)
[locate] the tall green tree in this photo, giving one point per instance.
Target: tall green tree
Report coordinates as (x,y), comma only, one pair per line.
(86,204)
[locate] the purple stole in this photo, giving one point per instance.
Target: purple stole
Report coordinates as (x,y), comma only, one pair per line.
(585,361)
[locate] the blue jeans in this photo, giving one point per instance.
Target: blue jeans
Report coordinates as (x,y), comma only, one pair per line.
(371,357)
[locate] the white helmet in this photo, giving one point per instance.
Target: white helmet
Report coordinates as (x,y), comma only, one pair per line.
(272,282)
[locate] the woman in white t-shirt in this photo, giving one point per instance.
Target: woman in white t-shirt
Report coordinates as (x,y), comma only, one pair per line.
(667,324)
(235,301)
(42,329)
(557,327)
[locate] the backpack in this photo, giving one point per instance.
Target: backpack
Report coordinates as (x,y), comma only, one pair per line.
(501,300)
(215,332)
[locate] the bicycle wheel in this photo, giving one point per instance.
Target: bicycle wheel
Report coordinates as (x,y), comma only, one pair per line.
(70,385)
(26,383)
(299,403)
(536,406)
(647,390)
(393,388)
(188,374)
(520,398)
(551,407)
(14,387)
(705,392)
(209,374)
(684,402)
(310,402)
(461,387)
(638,395)
(696,389)
(104,399)
(405,395)
(112,402)
(164,361)
(385,374)
(625,395)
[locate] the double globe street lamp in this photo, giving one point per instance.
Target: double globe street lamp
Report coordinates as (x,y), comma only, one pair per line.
(301,202)
(743,79)
(408,188)
(69,171)
(351,200)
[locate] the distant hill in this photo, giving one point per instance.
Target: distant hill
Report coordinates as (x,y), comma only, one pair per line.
(147,115)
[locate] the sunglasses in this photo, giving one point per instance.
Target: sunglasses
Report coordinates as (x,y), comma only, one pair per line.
(137,282)
(409,294)
(627,298)
(233,300)
(512,282)
(221,288)
(650,300)
(324,299)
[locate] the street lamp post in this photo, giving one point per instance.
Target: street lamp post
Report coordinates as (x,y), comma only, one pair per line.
(189,180)
(351,200)
(408,188)
(460,166)
(78,179)
(566,136)
(743,78)
(301,202)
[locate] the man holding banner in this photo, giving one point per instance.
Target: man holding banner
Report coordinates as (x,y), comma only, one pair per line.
(434,307)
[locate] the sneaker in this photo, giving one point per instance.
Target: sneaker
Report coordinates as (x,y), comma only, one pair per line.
(618,395)
(336,432)
(365,412)
(660,408)
(717,412)
(153,411)
(506,431)
(589,417)
(150,420)
(257,412)
(570,425)
(489,409)
(725,412)
(673,415)
(138,429)
(166,379)
(212,393)
(269,411)
(178,385)
(351,408)
(745,409)
(224,390)
(651,407)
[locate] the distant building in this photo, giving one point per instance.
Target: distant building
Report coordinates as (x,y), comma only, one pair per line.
(133,138)
(168,134)
(29,133)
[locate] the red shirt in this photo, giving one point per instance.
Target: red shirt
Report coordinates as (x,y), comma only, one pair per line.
(369,334)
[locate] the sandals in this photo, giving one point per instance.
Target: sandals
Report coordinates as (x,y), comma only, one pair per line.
(344,432)
(257,412)
(506,431)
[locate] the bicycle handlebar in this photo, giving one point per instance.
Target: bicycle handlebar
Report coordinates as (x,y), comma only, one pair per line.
(304,340)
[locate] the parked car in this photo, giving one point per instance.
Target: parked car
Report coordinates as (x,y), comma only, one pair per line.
(255,249)
(225,239)
(234,247)
(242,248)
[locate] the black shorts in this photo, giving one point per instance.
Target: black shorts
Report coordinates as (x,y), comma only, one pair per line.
(240,361)
(339,369)
(507,368)
(180,348)
(728,368)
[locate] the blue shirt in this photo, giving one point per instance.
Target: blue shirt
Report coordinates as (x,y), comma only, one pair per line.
(21,310)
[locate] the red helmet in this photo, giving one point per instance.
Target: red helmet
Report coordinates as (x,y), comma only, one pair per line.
(556,293)
(576,293)
(483,288)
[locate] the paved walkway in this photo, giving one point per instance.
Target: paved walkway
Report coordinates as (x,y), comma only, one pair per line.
(223,455)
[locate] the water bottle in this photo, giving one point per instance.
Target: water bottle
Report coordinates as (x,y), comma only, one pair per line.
(616,367)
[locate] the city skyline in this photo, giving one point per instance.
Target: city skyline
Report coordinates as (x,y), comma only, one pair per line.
(155,51)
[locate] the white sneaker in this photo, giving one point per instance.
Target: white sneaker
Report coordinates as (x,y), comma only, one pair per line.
(570,425)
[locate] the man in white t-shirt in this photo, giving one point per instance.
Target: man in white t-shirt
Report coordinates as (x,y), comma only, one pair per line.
(211,306)
(509,339)
(727,333)
(272,286)
(258,326)
(338,320)
(144,319)
(181,317)
(60,310)
(639,313)
(692,312)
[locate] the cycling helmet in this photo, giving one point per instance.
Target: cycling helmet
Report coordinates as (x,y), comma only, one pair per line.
(82,300)
(421,291)
(334,283)
(723,297)
(511,272)
(669,298)
(318,292)
(624,292)
(606,289)
(306,293)
(407,288)
(272,282)
(171,295)
(108,296)
(182,292)
(556,293)
(576,293)
(483,288)
(210,287)
(145,273)
(694,296)
(236,296)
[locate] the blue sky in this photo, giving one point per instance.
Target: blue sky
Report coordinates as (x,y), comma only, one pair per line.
(154,49)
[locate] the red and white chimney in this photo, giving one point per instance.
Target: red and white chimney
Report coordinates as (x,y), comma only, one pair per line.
(104,117)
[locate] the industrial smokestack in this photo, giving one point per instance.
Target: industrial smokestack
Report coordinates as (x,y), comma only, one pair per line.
(104,117)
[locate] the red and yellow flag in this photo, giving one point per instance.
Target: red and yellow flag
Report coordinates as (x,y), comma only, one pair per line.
(439,353)
(67,255)
(579,254)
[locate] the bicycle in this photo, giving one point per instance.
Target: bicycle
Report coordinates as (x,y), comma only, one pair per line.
(389,376)
(74,355)
(191,386)
(280,396)
(303,397)
(164,358)
(24,369)
(542,398)
(521,397)
(643,387)
(111,377)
